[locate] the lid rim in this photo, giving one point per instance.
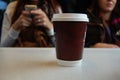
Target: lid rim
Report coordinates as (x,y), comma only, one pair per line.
(70,17)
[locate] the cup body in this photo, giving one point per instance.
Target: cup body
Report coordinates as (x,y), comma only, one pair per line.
(70,31)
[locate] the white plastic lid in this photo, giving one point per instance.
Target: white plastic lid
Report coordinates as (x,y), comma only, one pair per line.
(70,17)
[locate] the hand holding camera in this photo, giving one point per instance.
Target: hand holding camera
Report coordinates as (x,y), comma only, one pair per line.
(33,12)
(39,18)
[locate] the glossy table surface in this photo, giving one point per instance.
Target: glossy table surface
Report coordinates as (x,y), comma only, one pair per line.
(41,64)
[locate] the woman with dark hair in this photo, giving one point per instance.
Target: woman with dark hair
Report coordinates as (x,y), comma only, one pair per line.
(104,27)
(33,28)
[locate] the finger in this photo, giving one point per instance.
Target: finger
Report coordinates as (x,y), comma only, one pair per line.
(38,21)
(38,17)
(26,23)
(25,13)
(28,19)
(41,24)
(37,11)
(25,16)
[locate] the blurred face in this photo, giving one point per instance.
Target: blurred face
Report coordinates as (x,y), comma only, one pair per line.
(107,5)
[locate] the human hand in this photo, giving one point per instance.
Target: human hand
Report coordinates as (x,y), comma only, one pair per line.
(23,21)
(41,19)
(105,45)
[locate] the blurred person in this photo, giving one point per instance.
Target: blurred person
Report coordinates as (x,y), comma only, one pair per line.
(104,27)
(33,28)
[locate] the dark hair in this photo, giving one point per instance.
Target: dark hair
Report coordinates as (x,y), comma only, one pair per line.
(95,8)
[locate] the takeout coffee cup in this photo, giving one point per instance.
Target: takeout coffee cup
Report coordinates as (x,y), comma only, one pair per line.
(70,31)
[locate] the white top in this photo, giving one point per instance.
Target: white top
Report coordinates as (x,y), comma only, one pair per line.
(41,64)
